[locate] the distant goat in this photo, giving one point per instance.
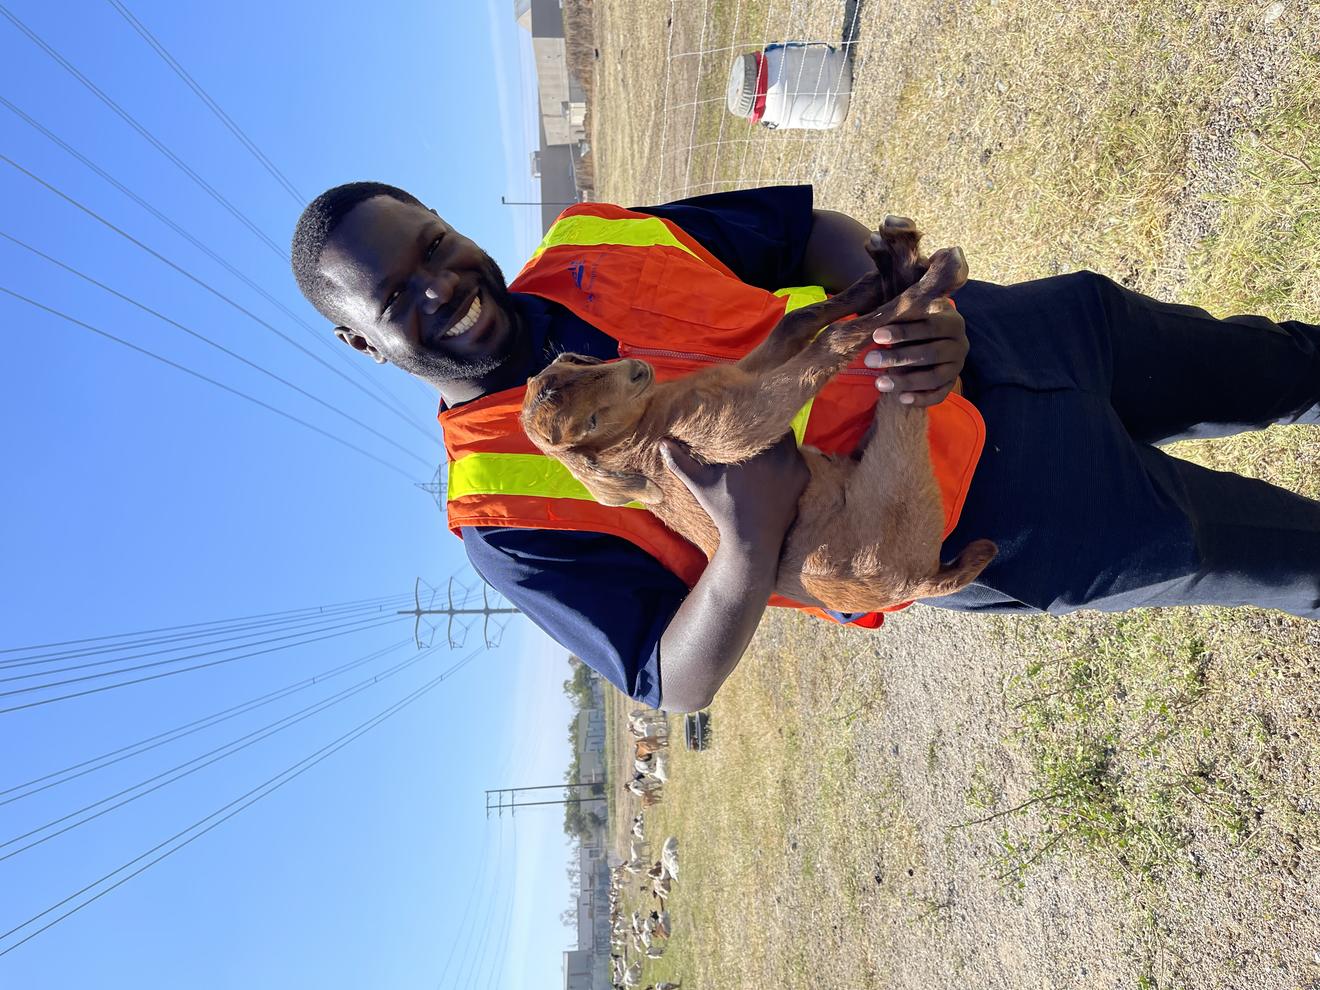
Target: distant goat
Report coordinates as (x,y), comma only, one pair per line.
(647,745)
(669,856)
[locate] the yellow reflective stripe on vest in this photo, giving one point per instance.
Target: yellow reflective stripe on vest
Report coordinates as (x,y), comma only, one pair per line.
(584,230)
(802,295)
(515,474)
(536,474)
(799,296)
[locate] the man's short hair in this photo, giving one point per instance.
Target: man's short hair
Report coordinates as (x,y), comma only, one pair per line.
(315,226)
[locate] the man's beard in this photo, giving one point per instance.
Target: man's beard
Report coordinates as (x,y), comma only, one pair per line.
(437,366)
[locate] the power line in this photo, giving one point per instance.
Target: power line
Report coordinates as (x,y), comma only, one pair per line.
(130,750)
(133,122)
(206,378)
(225,750)
(498,964)
(52,657)
(238,805)
(467,906)
(198,335)
(479,961)
(354,625)
(463,976)
(171,673)
(508,764)
(178,732)
(316,332)
(194,625)
(295,628)
(209,288)
(205,97)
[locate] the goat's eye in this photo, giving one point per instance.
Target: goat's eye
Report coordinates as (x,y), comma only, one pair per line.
(591,423)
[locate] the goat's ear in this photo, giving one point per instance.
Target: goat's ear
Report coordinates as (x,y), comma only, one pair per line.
(609,487)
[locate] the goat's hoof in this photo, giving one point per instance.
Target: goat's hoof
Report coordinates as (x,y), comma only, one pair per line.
(949,266)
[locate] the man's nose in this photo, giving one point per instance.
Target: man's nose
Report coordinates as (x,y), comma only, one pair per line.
(437,292)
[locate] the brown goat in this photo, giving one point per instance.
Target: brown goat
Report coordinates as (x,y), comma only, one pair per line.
(647,746)
(868,531)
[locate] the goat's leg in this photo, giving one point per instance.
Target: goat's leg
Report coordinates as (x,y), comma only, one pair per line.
(946,272)
(797,328)
(894,249)
(788,387)
(756,412)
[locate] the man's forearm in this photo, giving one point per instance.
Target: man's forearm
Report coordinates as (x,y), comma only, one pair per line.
(835,256)
(708,634)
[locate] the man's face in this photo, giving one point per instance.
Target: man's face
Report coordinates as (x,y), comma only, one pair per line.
(412,291)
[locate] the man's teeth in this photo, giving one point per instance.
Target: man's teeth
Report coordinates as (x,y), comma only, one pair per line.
(468,321)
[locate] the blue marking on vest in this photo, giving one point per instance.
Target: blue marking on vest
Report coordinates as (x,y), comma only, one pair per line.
(578,269)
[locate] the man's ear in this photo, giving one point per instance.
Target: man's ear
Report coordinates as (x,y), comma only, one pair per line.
(358,342)
(609,487)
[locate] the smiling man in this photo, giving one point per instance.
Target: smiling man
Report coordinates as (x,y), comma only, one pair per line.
(456,330)
(1071,382)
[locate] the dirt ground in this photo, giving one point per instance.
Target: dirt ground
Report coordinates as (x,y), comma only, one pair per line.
(957,801)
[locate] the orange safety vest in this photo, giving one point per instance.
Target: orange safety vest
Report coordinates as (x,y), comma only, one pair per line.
(666,299)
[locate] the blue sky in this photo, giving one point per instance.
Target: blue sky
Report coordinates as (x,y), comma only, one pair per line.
(138,496)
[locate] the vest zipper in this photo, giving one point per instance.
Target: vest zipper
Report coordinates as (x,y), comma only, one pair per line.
(627,350)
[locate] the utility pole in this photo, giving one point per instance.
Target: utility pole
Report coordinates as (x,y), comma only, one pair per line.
(512,803)
(452,610)
(525,202)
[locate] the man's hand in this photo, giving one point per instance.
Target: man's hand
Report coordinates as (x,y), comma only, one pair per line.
(752,503)
(922,358)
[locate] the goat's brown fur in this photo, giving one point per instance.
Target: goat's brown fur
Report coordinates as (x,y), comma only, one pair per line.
(647,747)
(868,530)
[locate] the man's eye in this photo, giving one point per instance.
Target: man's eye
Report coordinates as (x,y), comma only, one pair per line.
(434,244)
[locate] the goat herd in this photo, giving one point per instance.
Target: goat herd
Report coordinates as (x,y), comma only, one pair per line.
(643,934)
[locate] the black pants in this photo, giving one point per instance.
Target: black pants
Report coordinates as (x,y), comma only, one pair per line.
(1080,381)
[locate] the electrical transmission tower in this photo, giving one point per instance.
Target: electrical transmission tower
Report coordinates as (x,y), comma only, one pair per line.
(436,487)
(508,797)
(457,610)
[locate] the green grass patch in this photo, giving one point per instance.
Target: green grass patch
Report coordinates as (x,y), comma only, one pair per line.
(1158,739)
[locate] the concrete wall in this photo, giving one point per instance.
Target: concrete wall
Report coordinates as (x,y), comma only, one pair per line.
(578,969)
(557,183)
(552,84)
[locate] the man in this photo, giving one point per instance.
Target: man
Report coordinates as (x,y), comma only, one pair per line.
(1077,380)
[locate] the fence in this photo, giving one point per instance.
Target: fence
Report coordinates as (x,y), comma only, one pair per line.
(694,144)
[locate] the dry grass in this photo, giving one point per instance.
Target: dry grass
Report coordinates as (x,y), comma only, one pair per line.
(1148,782)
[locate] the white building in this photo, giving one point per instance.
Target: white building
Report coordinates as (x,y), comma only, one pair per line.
(561,104)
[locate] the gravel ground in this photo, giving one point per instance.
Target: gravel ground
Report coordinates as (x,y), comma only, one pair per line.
(1043,138)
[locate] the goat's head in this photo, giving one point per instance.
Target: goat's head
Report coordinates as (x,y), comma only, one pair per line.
(580,406)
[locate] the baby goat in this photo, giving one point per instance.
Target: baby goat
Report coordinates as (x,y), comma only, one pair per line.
(868,530)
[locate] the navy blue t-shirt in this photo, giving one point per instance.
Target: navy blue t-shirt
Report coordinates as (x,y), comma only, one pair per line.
(600,596)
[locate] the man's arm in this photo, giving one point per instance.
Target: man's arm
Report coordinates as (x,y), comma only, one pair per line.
(835,255)
(752,504)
